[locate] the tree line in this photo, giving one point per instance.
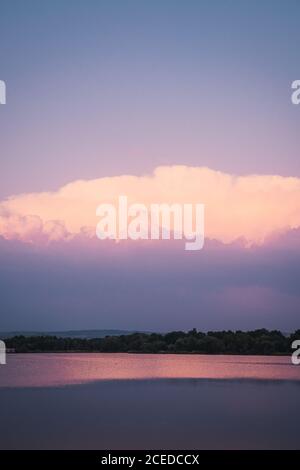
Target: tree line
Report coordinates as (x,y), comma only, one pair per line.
(254,342)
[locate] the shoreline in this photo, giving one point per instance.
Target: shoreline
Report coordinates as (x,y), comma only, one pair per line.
(164,353)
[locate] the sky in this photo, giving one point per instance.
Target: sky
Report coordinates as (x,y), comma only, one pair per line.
(171,101)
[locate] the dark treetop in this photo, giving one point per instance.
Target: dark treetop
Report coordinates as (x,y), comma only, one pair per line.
(213,342)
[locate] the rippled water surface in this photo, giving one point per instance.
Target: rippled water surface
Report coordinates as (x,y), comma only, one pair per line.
(23,370)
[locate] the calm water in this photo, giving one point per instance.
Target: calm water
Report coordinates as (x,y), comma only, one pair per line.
(107,401)
(31,370)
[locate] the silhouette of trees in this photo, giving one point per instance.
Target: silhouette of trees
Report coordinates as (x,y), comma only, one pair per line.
(254,342)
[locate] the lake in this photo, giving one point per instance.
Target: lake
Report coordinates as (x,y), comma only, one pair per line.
(132,401)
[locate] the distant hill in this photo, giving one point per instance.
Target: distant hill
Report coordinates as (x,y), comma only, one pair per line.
(88,334)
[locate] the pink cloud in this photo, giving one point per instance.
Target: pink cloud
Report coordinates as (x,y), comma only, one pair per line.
(252,208)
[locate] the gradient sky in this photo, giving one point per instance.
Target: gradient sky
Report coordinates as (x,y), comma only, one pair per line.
(105,88)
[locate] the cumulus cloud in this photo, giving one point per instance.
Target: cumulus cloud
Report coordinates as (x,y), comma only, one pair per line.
(31,228)
(252,208)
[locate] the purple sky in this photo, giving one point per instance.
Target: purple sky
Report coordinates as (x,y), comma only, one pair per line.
(99,88)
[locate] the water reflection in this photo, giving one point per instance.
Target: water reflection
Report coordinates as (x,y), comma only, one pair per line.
(24,370)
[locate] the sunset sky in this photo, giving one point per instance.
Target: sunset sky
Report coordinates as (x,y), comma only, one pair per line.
(164,101)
